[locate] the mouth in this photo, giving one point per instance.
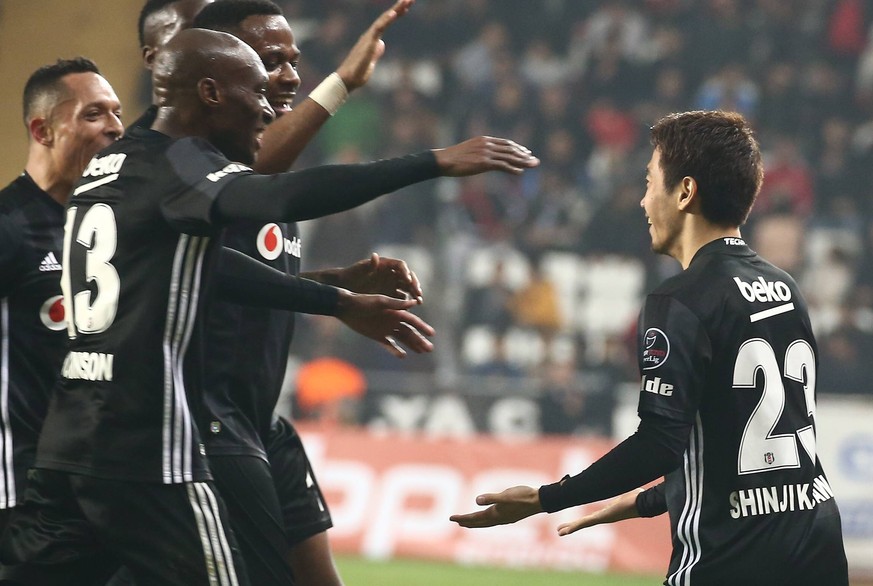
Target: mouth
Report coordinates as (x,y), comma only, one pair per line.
(282,104)
(259,136)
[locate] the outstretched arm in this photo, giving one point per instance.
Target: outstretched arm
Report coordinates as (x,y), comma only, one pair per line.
(320,191)
(636,503)
(654,450)
(286,138)
(384,276)
(386,320)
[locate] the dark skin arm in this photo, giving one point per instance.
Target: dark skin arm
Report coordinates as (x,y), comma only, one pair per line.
(286,138)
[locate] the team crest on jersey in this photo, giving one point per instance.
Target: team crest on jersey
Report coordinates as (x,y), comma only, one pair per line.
(769,457)
(656,348)
(51,314)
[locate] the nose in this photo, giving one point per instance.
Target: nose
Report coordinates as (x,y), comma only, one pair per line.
(114,127)
(288,75)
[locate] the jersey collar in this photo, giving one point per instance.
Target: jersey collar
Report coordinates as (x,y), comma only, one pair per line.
(728,245)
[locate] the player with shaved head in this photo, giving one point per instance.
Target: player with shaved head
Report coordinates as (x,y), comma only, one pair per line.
(120,447)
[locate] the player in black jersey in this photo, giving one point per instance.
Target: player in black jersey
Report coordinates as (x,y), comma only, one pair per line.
(727,397)
(120,448)
(249,346)
(70,112)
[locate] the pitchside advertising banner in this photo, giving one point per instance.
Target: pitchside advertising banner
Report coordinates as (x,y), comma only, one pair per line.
(391,495)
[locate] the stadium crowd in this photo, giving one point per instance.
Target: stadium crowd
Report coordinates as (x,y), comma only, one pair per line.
(535,282)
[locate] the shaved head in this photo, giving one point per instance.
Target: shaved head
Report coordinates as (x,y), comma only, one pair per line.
(196,54)
(212,85)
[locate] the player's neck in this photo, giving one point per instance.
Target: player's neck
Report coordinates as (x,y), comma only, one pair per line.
(696,235)
(49,177)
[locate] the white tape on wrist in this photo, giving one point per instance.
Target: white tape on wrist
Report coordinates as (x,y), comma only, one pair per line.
(331,93)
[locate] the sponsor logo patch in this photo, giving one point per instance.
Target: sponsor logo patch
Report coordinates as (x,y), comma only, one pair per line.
(51,314)
(270,241)
(656,348)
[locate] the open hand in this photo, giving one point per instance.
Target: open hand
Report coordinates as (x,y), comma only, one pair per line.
(358,66)
(509,506)
(484,153)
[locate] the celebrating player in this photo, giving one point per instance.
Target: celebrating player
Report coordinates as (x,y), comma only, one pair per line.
(120,447)
(727,398)
(258,461)
(70,112)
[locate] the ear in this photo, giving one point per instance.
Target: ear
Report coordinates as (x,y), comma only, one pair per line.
(41,131)
(209,92)
(148,56)
(687,194)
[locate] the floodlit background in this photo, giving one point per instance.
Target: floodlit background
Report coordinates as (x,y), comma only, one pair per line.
(534,282)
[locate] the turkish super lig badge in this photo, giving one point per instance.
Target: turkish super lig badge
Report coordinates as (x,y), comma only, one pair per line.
(656,348)
(270,242)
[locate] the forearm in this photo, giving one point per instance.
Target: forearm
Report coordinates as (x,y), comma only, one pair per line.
(245,281)
(652,501)
(287,136)
(319,191)
(325,276)
(653,451)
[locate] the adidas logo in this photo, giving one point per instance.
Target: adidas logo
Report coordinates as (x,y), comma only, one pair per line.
(50,263)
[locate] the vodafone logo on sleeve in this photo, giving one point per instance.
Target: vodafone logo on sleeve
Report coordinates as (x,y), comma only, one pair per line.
(271,243)
(52,313)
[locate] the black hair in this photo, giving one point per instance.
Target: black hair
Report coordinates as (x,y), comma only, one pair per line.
(46,82)
(150,7)
(226,15)
(718,150)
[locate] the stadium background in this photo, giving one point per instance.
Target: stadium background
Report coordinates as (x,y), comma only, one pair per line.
(534,283)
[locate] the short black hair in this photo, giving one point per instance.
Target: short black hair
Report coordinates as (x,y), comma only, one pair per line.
(717,149)
(227,15)
(150,7)
(46,82)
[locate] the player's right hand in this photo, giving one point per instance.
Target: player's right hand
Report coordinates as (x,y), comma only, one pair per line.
(484,153)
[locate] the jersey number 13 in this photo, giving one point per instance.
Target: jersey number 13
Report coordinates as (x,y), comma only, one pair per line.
(98,234)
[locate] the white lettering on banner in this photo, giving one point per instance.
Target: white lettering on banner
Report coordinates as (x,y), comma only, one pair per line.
(451,416)
(514,417)
(391,496)
(396,520)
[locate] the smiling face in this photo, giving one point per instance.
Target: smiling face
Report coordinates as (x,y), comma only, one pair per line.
(273,41)
(661,207)
(244,111)
(87,120)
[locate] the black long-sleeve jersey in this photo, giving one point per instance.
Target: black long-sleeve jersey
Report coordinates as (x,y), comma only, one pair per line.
(247,347)
(32,337)
(137,250)
(727,347)
(728,363)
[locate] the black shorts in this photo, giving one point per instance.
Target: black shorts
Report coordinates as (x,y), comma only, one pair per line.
(74,529)
(304,510)
(247,487)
